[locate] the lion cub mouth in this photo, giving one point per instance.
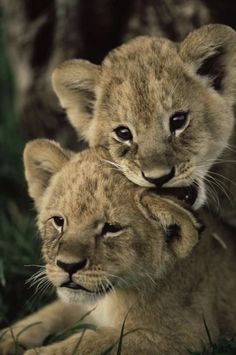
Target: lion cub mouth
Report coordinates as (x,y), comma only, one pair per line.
(75,286)
(186,194)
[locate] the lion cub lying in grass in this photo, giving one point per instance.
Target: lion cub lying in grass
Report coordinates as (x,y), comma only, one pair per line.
(129,253)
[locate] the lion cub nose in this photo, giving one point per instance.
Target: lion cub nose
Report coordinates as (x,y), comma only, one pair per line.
(73,267)
(165,176)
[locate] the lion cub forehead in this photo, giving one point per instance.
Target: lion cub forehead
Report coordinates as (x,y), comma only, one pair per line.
(139,76)
(142,51)
(92,168)
(87,181)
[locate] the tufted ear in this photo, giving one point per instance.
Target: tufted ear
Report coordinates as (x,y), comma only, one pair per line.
(211,51)
(42,159)
(180,226)
(74,82)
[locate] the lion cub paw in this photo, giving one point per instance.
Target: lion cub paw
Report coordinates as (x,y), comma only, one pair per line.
(9,345)
(44,350)
(16,340)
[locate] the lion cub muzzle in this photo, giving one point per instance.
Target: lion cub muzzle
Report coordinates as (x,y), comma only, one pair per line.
(160,179)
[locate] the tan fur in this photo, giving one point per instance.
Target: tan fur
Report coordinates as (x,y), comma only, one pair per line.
(166,286)
(144,82)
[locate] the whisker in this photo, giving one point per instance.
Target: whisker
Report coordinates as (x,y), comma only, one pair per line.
(38,281)
(223,177)
(120,279)
(221,187)
(110,284)
(35,265)
(36,296)
(38,275)
(150,278)
(213,192)
(229,147)
(116,165)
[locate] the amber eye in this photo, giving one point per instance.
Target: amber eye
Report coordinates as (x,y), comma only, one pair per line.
(58,222)
(178,121)
(123,133)
(111,228)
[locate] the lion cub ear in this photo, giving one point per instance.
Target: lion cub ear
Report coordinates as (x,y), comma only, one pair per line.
(211,51)
(181,229)
(74,83)
(42,159)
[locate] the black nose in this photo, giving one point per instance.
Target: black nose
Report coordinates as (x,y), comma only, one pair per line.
(161,180)
(72,268)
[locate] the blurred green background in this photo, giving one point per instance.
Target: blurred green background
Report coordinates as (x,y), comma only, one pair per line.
(19,241)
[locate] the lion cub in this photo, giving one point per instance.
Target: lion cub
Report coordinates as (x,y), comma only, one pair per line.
(164,109)
(134,256)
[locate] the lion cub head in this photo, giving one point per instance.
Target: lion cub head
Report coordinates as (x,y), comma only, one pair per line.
(100,232)
(163,109)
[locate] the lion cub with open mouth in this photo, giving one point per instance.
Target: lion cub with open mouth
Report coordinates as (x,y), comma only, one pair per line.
(164,110)
(134,256)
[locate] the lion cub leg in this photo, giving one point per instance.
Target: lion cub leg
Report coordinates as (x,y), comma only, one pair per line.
(90,342)
(106,340)
(31,331)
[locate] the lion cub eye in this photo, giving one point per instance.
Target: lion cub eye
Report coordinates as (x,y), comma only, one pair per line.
(123,133)
(58,222)
(110,228)
(178,121)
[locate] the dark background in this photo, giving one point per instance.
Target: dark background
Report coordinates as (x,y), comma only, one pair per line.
(35,36)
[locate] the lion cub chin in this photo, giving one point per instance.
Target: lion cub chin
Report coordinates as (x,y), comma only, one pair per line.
(163,109)
(134,258)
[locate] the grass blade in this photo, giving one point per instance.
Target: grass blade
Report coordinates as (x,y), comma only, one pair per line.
(78,343)
(26,328)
